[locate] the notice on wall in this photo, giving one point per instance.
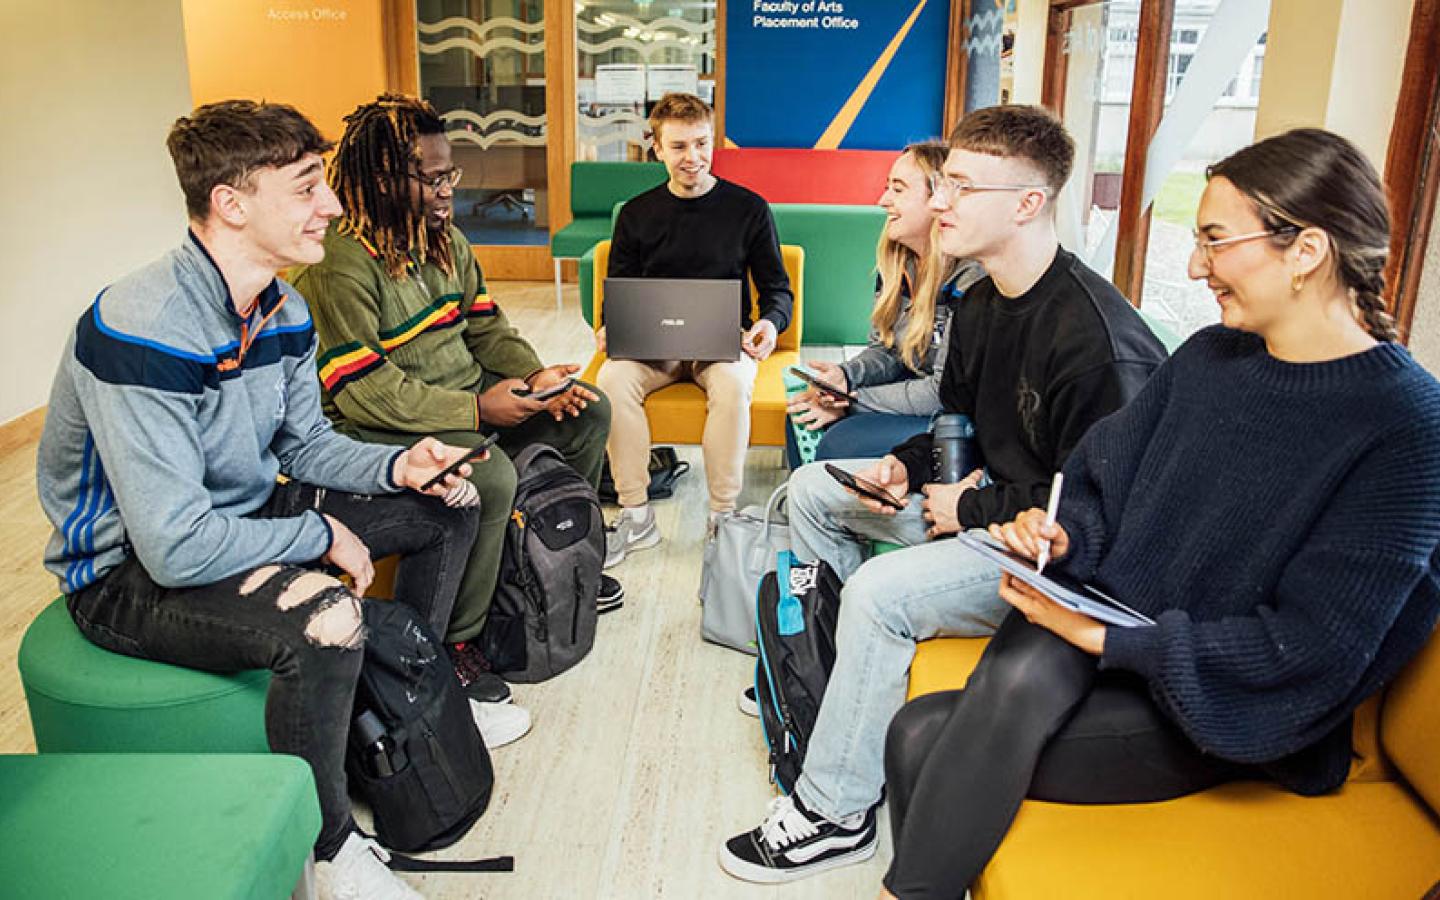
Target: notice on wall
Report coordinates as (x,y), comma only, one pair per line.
(816,14)
(620,83)
(664,79)
(861,74)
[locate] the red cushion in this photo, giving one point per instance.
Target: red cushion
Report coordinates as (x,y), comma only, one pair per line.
(807,176)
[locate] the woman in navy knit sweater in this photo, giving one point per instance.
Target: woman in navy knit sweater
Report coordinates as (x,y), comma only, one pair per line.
(1271,499)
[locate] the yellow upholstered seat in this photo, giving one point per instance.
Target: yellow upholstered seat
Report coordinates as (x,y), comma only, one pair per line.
(1377,837)
(677,412)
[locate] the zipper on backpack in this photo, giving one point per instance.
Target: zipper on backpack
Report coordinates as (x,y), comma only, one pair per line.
(575,615)
(442,761)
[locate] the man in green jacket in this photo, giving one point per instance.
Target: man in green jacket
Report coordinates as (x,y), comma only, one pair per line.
(411,343)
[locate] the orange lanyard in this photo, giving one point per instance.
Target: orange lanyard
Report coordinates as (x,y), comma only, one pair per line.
(246,338)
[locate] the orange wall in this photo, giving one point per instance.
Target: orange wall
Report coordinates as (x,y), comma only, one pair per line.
(325,58)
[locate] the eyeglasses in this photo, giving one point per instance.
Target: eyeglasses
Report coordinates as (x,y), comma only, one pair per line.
(948,189)
(1206,247)
(435,182)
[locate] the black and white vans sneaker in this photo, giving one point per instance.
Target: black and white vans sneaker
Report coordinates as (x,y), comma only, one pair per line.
(747,703)
(611,595)
(793,843)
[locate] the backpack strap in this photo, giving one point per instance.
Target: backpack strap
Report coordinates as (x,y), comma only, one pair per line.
(399,862)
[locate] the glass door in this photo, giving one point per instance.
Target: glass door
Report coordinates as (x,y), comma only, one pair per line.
(629,53)
(482,65)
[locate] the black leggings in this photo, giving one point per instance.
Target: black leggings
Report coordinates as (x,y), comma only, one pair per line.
(1036,720)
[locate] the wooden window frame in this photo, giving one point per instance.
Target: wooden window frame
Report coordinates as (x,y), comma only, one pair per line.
(1147,104)
(1412,164)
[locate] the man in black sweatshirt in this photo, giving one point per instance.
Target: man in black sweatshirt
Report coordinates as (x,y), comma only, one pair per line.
(693,226)
(1039,351)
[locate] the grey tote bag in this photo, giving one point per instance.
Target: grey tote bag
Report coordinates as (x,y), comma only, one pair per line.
(742,551)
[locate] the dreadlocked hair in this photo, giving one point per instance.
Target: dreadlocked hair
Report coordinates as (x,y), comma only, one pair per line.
(371,173)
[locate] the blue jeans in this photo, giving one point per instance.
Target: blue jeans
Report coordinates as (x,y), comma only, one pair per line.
(859,436)
(929,589)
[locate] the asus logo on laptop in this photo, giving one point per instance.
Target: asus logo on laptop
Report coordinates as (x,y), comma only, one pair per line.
(672,323)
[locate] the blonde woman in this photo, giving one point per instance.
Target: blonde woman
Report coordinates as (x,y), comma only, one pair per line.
(896,378)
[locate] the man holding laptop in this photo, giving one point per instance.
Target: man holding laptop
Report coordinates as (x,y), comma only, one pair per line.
(712,233)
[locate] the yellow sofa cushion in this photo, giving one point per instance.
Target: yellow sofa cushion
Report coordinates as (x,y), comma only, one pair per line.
(1370,839)
(944,664)
(677,413)
(1241,840)
(1410,724)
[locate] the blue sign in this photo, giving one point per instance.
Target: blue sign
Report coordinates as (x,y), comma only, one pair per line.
(855,74)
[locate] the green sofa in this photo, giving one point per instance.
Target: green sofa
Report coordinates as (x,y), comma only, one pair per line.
(156,826)
(595,189)
(839,244)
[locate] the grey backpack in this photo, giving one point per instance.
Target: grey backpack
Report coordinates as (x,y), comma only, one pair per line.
(542,620)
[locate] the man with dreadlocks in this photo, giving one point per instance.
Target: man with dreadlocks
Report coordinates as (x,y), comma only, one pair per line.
(411,344)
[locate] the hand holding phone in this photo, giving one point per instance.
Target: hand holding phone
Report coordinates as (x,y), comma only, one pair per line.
(824,386)
(864,487)
(471,455)
(554,390)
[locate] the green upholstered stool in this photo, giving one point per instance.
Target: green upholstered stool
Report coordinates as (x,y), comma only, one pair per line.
(879,547)
(84,699)
(156,826)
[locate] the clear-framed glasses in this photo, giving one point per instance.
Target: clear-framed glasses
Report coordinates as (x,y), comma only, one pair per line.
(1206,246)
(448,178)
(948,189)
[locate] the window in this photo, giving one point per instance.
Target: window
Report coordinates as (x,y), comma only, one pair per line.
(1179,63)
(485,74)
(1168,295)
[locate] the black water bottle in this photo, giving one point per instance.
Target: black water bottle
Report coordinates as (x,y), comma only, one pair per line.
(371,736)
(951,456)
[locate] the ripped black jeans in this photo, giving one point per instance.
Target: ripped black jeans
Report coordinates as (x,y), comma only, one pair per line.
(303,626)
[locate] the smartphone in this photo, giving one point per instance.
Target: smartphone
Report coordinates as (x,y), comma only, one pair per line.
(472,455)
(552,391)
(863,487)
(816,383)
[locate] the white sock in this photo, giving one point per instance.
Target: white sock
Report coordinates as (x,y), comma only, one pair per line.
(640,515)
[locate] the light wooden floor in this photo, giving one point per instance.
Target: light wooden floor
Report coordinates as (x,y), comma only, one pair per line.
(639,764)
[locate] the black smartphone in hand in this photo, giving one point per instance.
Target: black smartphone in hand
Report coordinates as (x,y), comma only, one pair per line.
(816,383)
(552,391)
(470,456)
(863,487)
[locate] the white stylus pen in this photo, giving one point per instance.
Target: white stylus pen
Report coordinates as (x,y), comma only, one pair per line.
(1050,510)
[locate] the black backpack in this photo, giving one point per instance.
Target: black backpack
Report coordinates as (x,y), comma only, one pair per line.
(797,612)
(414,754)
(542,620)
(665,470)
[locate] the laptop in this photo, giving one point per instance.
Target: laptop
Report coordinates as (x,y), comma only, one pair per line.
(672,318)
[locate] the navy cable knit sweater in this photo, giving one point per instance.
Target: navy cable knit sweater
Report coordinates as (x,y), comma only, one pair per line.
(1281,522)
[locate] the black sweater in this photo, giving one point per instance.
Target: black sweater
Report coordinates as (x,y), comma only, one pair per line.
(1280,522)
(1033,373)
(724,233)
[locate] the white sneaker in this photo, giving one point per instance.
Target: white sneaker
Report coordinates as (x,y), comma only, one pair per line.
(500,723)
(358,873)
(747,702)
(634,529)
(712,523)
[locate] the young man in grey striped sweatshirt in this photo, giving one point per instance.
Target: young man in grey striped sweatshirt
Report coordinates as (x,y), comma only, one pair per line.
(186,390)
